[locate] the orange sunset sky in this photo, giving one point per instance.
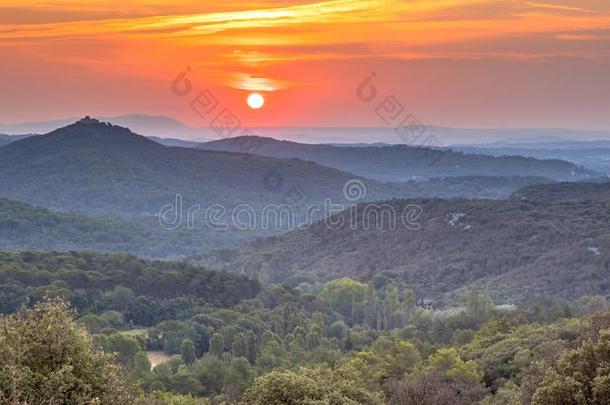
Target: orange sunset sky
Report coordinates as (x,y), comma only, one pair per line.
(462,63)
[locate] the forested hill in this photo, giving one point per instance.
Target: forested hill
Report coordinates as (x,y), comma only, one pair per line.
(564,192)
(512,249)
(403,162)
(152,291)
(23,227)
(92,166)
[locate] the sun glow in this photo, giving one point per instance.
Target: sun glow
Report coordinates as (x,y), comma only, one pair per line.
(256,101)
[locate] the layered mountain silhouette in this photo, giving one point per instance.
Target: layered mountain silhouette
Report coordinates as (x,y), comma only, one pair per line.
(403,162)
(594,155)
(94,166)
(167,127)
(91,166)
(548,239)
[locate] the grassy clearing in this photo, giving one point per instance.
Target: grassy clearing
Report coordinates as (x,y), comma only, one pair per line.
(157,357)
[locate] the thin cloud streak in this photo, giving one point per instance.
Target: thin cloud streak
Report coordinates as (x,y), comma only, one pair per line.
(559,7)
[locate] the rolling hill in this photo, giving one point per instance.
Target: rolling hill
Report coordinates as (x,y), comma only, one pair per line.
(25,227)
(514,250)
(593,155)
(94,166)
(565,192)
(91,166)
(402,162)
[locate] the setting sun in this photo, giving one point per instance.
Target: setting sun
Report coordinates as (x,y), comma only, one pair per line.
(256,101)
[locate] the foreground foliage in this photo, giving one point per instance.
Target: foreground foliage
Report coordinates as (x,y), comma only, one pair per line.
(46,359)
(581,376)
(307,386)
(216,338)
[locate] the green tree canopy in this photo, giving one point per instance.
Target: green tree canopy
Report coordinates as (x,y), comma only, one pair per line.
(309,386)
(581,376)
(347,297)
(45,358)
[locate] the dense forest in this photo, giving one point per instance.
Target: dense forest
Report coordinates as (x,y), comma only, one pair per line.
(23,227)
(512,249)
(221,338)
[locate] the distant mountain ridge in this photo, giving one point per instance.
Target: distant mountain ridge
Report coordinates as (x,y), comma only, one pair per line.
(564,192)
(402,162)
(91,166)
(149,125)
(538,143)
(166,127)
(593,155)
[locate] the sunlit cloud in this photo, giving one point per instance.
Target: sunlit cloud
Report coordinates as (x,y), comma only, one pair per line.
(319,24)
(320,12)
(256,83)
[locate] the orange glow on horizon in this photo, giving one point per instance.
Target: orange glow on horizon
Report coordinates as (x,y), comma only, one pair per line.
(311,55)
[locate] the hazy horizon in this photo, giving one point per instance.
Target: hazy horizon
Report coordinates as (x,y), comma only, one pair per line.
(168,127)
